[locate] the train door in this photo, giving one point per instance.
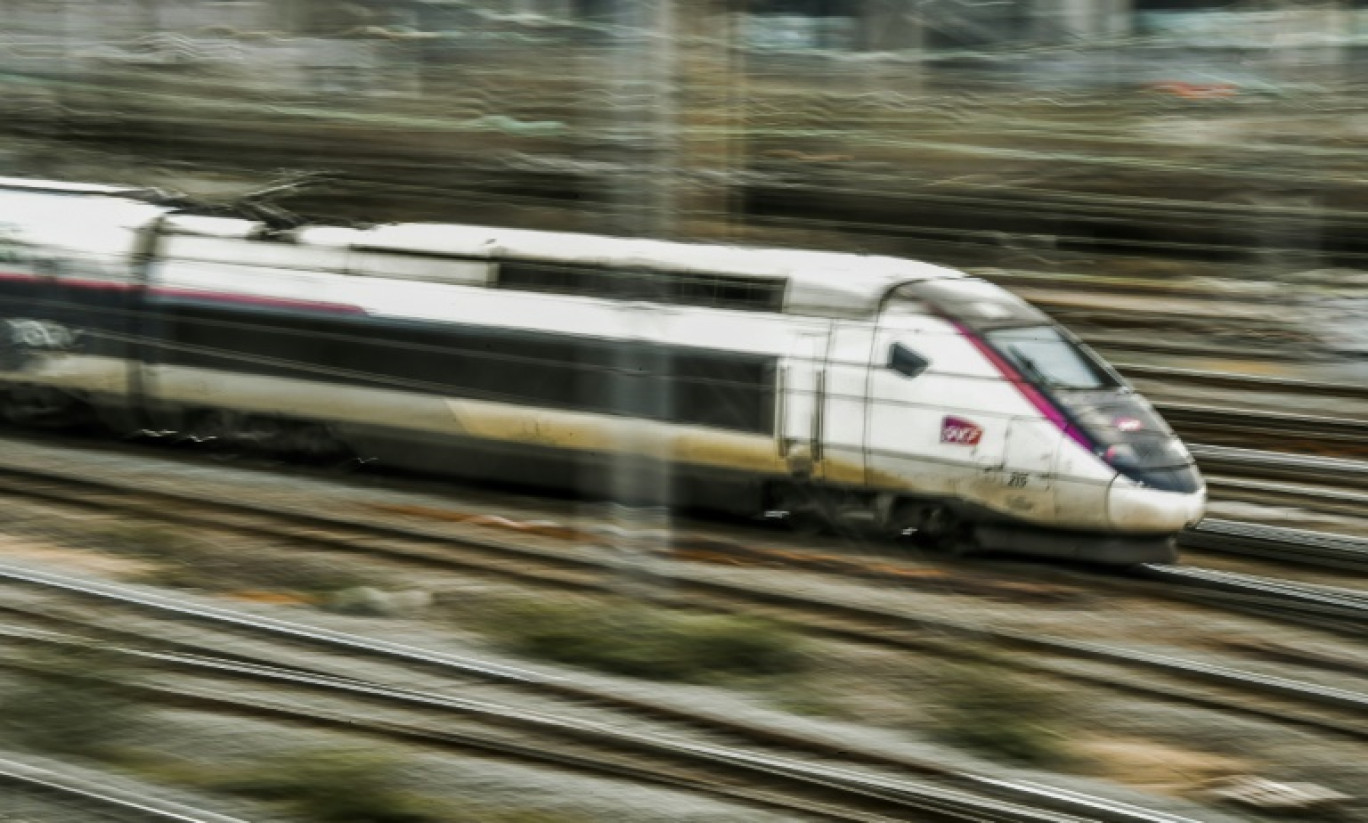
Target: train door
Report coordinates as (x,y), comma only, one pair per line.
(844,415)
(801,405)
(929,430)
(1028,471)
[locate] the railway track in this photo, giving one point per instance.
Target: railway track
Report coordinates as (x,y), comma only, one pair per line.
(1251,539)
(821,792)
(1324,484)
(434,545)
(1279,543)
(99,797)
(1338,609)
(1273,465)
(823,789)
(1244,382)
(1313,705)
(1224,426)
(1308,496)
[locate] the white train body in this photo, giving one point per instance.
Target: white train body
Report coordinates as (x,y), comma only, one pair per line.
(897,391)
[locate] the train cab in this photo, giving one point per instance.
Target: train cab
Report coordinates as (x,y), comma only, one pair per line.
(1114,465)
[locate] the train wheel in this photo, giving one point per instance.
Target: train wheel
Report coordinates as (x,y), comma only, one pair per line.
(935,527)
(807,523)
(806,510)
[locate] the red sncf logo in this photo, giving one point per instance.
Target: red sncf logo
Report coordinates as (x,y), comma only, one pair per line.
(960,431)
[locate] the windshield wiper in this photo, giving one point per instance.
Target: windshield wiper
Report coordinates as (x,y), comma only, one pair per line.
(1030,366)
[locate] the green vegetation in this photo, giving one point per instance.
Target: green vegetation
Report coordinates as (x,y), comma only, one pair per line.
(353,786)
(645,642)
(330,786)
(139,539)
(808,698)
(73,701)
(990,710)
(190,563)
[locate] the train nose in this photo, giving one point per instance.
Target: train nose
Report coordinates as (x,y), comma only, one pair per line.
(1135,508)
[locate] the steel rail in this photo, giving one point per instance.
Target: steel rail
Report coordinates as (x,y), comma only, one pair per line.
(1323,607)
(1286,597)
(1223,421)
(1280,465)
(925,797)
(1315,497)
(1310,693)
(540,752)
(1249,382)
(1232,537)
(1341,596)
(1350,600)
(1301,546)
(103,796)
(312,519)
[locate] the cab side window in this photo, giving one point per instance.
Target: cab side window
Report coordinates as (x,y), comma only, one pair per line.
(906,362)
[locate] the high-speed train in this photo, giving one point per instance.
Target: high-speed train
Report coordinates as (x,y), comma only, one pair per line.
(818,386)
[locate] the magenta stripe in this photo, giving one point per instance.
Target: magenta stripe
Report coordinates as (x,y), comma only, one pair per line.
(1033,395)
(95,284)
(74,282)
(260,300)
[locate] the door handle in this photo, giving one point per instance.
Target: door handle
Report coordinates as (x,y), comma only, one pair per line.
(818,414)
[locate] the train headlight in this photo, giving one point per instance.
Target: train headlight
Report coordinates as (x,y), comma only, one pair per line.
(1120,455)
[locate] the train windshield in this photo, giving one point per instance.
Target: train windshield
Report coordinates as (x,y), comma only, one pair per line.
(1045,356)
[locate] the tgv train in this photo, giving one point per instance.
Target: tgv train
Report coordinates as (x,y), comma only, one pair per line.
(818,386)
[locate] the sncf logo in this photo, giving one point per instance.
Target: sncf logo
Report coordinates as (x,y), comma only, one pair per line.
(960,431)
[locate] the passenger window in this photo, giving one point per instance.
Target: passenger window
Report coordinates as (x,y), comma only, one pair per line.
(906,362)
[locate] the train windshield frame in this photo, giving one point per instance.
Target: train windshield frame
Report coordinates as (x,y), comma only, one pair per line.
(975,303)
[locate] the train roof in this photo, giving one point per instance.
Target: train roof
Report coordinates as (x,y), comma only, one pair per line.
(62,187)
(72,219)
(815,283)
(824,284)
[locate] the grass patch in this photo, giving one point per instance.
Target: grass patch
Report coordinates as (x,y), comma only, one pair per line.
(354,786)
(333,787)
(186,562)
(989,710)
(71,702)
(806,698)
(646,642)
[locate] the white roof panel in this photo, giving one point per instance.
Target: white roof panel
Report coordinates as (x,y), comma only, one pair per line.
(62,187)
(230,227)
(335,236)
(820,283)
(94,224)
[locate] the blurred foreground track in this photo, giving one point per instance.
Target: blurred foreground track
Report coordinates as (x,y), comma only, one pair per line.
(828,791)
(1282,544)
(100,797)
(544,559)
